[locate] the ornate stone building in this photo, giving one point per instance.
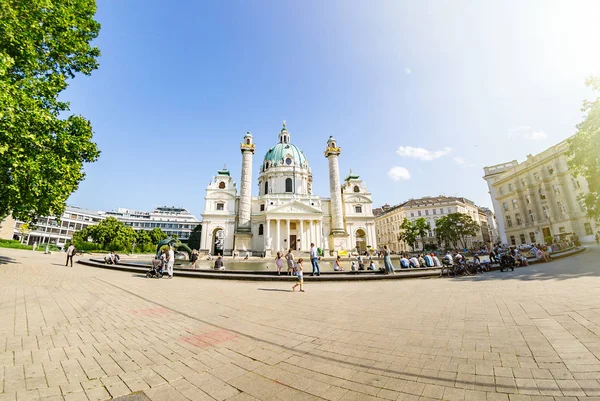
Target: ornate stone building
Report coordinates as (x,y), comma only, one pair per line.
(286,214)
(539,198)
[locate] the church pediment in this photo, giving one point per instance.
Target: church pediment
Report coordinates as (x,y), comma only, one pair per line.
(357,199)
(294,207)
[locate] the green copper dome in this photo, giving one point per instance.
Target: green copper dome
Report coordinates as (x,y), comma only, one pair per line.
(278,155)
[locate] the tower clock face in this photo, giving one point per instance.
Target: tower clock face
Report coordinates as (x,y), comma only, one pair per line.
(288,161)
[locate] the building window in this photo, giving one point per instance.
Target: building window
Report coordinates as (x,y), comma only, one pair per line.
(288,161)
(531,216)
(220,206)
(508,221)
(266,187)
(576,184)
(546,211)
(358,209)
(532,237)
(419,212)
(588,229)
(412,214)
(441,210)
(528,200)
(260,229)
(262,207)
(515,203)
(523,241)
(518,218)
(505,206)
(426,212)
(222,185)
(434,211)
(501,190)
(510,187)
(561,208)
(356,188)
(512,240)
(542,194)
(556,190)
(288,185)
(449,210)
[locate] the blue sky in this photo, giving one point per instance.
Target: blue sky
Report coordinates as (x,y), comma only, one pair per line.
(431,89)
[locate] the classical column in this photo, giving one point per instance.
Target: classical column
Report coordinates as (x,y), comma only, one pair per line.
(338,237)
(268,233)
(302,235)
(287,234)
(278,222)
(320,234)
(247,148)
(310,232)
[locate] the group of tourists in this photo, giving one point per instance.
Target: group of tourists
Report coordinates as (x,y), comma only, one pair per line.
(296,268)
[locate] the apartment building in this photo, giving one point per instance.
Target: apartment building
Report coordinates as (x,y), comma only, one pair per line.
(539,198)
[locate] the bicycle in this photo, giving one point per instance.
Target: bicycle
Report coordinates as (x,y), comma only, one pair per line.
(449,269)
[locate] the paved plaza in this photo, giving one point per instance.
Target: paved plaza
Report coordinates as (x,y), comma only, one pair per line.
(82,333)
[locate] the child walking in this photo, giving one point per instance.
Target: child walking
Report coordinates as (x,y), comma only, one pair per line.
(279,263)
(299,277)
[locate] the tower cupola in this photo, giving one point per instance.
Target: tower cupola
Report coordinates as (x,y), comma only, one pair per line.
(284,135)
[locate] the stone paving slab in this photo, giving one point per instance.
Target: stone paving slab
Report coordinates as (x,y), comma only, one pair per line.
(82,333)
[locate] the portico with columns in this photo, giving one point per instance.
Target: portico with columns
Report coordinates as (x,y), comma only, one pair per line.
(286,214)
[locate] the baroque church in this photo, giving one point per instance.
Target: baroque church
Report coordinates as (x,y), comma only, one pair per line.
(286,214)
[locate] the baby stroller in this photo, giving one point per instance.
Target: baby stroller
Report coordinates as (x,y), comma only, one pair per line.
(157,269)
(507,261)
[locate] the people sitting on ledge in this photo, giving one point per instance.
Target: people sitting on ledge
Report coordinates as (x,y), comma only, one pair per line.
(338,265)
(111,258)
(219,263)
(404,262)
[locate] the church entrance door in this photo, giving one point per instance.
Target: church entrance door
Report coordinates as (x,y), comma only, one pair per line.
(219,241)
(293,242)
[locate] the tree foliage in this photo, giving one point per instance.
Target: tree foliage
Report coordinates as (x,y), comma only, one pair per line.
(413,230)
(584,158)
(194,240)
(109,234)
(455,228)
(42,148)
(157,235)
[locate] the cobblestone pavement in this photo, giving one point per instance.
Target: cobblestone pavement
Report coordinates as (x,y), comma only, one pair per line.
(87,334)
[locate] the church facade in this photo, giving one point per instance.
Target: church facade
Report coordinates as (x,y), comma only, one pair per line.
(286,214)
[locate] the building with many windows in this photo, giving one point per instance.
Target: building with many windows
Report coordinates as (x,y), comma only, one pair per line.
(48,230)
(539,198)
(431,208)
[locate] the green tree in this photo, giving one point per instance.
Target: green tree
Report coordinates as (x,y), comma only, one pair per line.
(142,237)
(194,240)
(584,158)
(42,148)
(455,228)
(157,235)
(413,230)
(109,234)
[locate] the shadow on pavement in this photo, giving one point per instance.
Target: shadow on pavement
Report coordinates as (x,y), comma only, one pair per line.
(583,264)
(6,260)
(273,289)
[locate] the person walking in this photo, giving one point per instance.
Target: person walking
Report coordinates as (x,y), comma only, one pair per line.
(299,276)
(314,260)
(279,263)
(70,253)
(387,261)
(170,261)
(290,261)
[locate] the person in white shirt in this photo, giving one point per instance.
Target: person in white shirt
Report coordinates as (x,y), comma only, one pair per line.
(414,262)
(70,253)
(170,261)
(314,260)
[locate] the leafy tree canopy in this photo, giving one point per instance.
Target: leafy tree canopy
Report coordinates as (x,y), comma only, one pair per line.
(43,43)
(412,230)
(456,228)
(194,240)
(584,158)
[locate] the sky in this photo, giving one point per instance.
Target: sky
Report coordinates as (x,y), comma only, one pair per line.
(420,95)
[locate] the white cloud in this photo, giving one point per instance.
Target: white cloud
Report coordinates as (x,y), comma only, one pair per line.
(536,135)
(422,154)
(462,162)
(526,132)
(408,71)
(397,173)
